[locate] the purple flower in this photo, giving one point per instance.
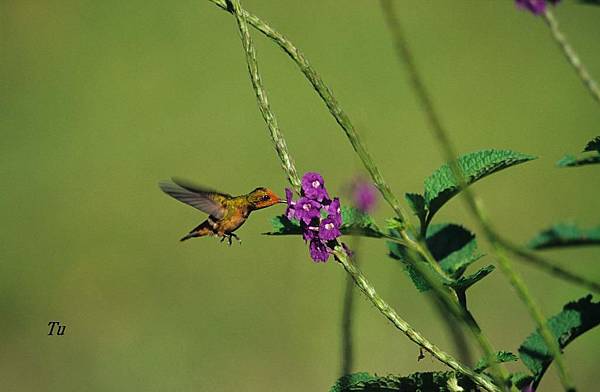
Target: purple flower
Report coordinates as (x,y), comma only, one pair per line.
(329,230)
(365,195)
(320,218)
(313,186)
(318,250)
(334,211)
(307,209)
(290,211)
(536,7)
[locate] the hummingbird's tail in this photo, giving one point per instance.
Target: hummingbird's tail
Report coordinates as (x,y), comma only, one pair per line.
(188,236)
(199,231)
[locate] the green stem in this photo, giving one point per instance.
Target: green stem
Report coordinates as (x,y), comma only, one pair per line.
(549,266)
(263,102)
(571,55)
(347,318)
(403,326)
(334,108)
(441,135)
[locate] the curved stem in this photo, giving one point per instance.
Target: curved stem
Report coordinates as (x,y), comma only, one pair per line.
(367,289)
(263,102)
(549,266)
(348,318)
(334,108)
(571,55)
(448,150)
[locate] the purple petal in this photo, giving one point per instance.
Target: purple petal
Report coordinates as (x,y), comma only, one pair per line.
(329,230)
(536,7)
(335,212)
(318,250)
(365,195)
(290,211)
(307,209)
(313,186)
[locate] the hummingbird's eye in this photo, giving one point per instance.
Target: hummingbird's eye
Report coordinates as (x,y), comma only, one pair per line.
(265,198)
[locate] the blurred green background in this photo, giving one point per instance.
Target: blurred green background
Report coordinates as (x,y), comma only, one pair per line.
(100,100)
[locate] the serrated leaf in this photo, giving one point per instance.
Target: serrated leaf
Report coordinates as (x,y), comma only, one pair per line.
(423,381)
(453,246)
(501,356)
(593,145)
(283,226)
(575,319)
(399,252)
(418,205)
(357,222)
(348,381)
(441,186)
(564,235)
(465,282)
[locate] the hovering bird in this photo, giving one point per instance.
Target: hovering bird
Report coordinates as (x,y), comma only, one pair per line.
(226,213)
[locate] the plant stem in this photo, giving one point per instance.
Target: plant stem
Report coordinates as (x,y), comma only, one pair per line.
(348,318)
(403,326)
(549,266)
(436,125)
(263,103)
(334,108)
(571,55)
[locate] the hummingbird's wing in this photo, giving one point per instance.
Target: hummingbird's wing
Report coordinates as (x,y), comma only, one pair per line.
(206,200)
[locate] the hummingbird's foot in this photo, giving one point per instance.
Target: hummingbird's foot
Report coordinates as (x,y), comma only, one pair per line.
(236,237)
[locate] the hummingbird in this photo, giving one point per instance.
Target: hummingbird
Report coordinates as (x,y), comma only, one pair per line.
(226,213)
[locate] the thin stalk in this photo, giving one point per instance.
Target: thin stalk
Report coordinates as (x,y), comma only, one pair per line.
(263,102)
(334,107)
(571,55)
(347,362)
(549,266)
(435,123)
(364,285)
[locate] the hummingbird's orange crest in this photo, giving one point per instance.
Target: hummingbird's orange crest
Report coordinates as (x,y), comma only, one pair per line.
(226,213)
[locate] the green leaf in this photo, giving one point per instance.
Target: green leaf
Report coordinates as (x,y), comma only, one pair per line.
(520,379)
(283,226)
(416,382)
(564,235)
(399,252)
(453,246)
(572,161)
(357,222)
(345,383)
(441,186)
(418,205)
(593,145)
(501,356)
(465,282)
(575,319)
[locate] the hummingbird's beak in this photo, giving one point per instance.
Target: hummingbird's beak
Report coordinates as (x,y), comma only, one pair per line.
(282,202)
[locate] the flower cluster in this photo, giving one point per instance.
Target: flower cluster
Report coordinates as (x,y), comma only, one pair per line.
(536,7)
(319,216)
